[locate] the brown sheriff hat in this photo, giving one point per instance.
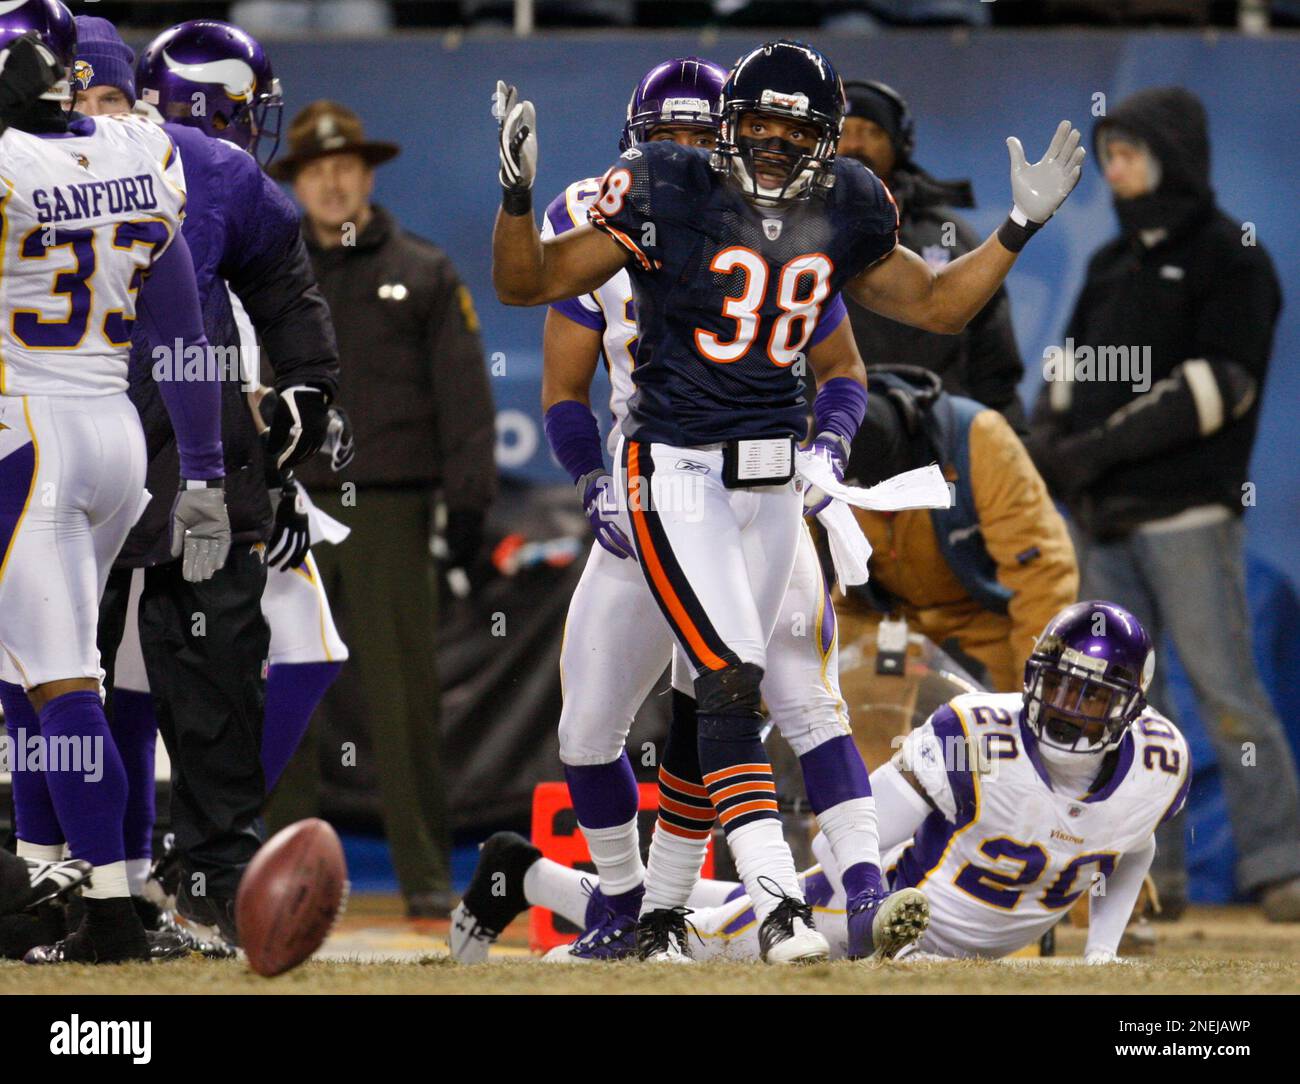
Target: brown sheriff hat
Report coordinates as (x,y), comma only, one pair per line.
(326,127)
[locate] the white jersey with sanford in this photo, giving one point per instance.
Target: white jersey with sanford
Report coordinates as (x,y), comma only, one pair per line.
(83,215)
(608,310)
(1004,854)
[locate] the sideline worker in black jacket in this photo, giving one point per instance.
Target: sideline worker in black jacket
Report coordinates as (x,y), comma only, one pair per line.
(983,362)
(1145,431)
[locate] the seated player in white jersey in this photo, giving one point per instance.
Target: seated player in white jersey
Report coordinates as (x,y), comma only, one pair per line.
(604,683)
(1005,808)
(91,243)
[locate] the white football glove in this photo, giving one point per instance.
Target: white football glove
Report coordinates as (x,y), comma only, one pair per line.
(200,531)
(1038,190)
(517,142)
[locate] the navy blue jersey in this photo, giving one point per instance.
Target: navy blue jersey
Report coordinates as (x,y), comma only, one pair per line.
(728,294)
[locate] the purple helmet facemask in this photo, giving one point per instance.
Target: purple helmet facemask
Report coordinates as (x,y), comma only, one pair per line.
(215,77)
(1087,677)
(53,25)
(683,93)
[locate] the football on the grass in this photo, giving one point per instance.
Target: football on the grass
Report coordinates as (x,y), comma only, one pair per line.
(290,896)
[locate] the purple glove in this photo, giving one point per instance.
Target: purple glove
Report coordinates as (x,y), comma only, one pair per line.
(834,449)
(600,503)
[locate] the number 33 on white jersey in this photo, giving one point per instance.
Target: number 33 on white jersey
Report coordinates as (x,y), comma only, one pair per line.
(83,216)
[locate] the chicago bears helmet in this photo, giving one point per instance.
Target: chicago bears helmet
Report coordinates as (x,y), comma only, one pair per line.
(215,77)
(793,81)
(53,25)
(1087,677)
(682,92)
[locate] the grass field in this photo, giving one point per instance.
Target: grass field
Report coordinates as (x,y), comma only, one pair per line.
(1212,951)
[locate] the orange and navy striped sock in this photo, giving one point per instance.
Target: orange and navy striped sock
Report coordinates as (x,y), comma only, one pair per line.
(742,793)
(736,769)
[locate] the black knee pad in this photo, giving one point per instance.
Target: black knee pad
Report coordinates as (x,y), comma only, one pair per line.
(731,691)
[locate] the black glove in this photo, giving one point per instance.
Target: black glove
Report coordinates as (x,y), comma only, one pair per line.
(464,536)
(29,70)
(299,425)
(291,538)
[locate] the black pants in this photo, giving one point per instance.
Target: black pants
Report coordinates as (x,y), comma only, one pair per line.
(205,651)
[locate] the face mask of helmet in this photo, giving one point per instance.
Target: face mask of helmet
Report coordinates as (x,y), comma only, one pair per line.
(1076,712)
(802,172)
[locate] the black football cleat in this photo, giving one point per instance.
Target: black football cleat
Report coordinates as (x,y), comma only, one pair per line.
(215,914)
(56,881)
(482,913)
(789,936)
(110,934)
(661,936)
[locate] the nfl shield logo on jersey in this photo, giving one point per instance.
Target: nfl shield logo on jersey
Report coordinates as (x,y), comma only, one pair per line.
(772,228)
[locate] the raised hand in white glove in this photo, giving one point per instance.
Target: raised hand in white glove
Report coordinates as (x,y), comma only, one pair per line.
(516,146)
(1039,189)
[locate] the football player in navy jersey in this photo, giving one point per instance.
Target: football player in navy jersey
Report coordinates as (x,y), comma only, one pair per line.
(732,254)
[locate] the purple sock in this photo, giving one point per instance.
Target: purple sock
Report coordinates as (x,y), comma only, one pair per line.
(604,795)
(293,689)
(135,730)
(834,773)
(34,816)
(89,784)
(861,877)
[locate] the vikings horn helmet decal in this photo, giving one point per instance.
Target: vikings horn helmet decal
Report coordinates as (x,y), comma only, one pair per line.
(215,77)
(53,25)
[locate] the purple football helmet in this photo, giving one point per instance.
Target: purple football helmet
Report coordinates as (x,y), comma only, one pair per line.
(53,25)
(1087,677)
(686,92)
(217,78)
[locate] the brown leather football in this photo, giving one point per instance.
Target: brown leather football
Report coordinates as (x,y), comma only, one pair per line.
(290,895)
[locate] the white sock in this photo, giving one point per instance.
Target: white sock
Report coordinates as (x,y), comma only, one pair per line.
(673,869)
(851,830)
(616,853)
(760,851)
(557,888)
(137,873)
(108,882)
(40,852)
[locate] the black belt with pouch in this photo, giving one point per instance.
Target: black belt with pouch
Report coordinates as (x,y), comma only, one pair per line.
(757,461)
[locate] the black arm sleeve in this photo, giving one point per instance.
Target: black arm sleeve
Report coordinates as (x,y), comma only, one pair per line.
(274,280)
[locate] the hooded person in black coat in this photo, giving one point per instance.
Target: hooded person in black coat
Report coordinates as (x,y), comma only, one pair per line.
(1170,337)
